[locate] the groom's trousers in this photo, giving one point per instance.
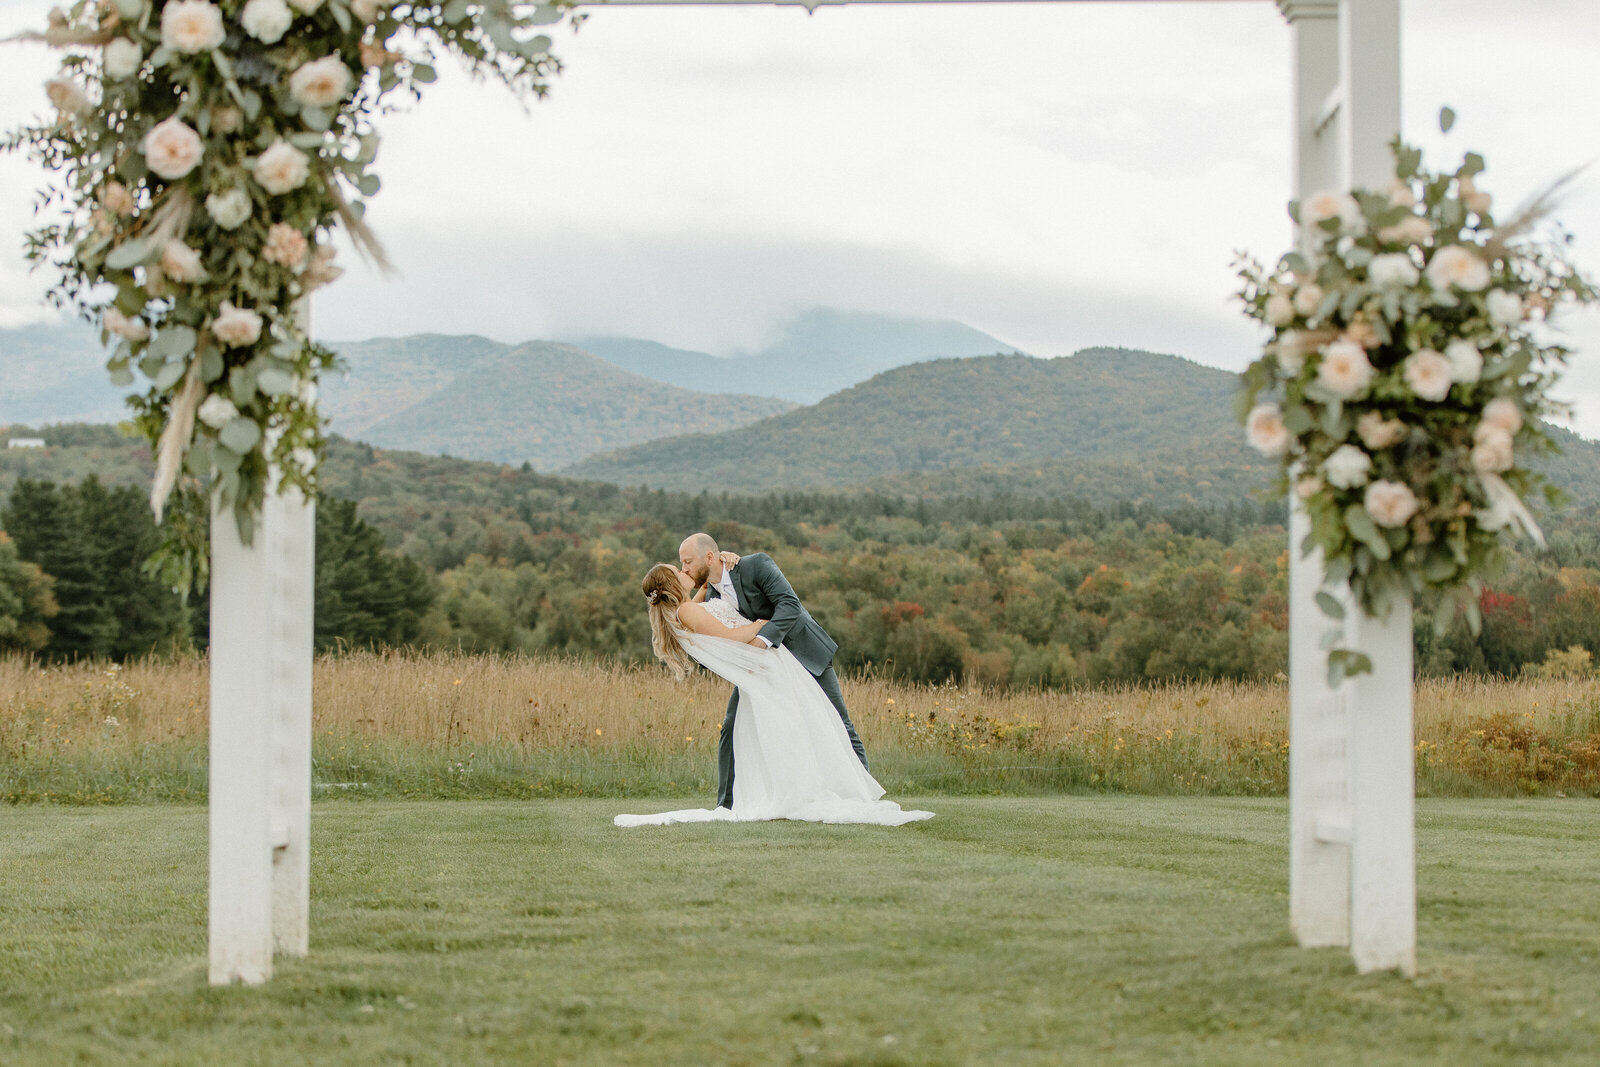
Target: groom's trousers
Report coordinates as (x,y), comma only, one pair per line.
(829,681)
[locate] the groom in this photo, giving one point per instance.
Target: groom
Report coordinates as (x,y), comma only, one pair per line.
(761,591)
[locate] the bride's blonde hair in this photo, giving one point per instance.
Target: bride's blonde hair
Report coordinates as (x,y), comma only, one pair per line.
(665,592)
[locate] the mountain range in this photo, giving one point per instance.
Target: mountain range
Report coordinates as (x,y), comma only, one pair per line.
(817,353)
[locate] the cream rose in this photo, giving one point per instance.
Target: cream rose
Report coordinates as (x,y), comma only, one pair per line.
(1319,207)
(123,326)
(365,10)
(1391,504)
(1279,310)
(1347,467)
(1393,270)
(181,263)
(1492,449)
(236,327)
(1400,194)
(1455,265)
(1308,487)
(320,83)
(1344,370)
(266,20)
(282,168)
(1428,374)
(1264,426)
(1411,230)
(217,411)
(172,149)
(116,198)
(286,246)
(122,58)
(1377,433)
(1466,362)
(67,97)
(1505,309)
(191,26)
(1308,298)
(1502,412)
(231,209)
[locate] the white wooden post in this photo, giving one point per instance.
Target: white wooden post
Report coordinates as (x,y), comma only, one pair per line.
(1319,861)
(262,600)
(1383,857)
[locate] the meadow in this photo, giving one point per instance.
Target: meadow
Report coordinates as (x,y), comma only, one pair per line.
(1029,931)
(449,725)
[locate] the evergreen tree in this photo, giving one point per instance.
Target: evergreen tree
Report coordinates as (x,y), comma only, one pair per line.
(365,594)
(42,520)
(27,601)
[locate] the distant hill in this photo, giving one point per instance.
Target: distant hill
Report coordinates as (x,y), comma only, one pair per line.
(957,413)
(543,403)
(56,373)
(817,353)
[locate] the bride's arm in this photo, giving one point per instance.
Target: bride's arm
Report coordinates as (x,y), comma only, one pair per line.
(698,620)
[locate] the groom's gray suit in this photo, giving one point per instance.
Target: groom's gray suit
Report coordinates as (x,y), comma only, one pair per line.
(764,593)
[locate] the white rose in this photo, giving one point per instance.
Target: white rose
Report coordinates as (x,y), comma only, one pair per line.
(266,20)
(1347,467)
(282,168)
(1393,270)
(1280,310)
(1502,412)
(231,209)
(124,327)
(305,459)
(217,411)
(122,58)
(1458,266)
(1411,230)
(236,327)
(306,7)
(1466,362)
(67,97)
(1505,309)
(1492,450)
(172,149)
(181,263)
(1428,374)
(320,83)
(1400,194)
(1391,504)
(191,26)
(1377,433)
(1264,426)
(1344,370)
(306,390)
(1308,298)
(1319,207)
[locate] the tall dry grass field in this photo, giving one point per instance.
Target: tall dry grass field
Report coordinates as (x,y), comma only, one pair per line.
(405,723)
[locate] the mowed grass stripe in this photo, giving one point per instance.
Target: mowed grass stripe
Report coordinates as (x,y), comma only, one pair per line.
(1007,930)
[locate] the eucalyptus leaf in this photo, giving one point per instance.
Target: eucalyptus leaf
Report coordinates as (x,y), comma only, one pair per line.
(454,11)
(242,385)
(544,15)
(129,254)
(173,342)
(316,118)
(121,376)
(369,184)
(130,9)
(424,73)
(274,381)
(240,435)
(1330,605)
(1447,119)
(211,366)
(341,15)
(151,364)
(309,141)
(250,101)
(1363,529)
(169,375)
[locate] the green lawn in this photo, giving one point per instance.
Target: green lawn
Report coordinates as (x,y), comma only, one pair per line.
(1006,931)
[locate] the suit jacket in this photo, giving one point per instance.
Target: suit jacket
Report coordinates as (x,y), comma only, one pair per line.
(764,593)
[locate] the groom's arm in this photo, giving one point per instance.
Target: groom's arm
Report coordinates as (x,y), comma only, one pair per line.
(785,604)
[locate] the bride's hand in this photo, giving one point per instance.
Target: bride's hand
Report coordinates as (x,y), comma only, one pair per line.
(729,559)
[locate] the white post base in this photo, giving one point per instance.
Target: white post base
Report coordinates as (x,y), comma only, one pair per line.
(260,743)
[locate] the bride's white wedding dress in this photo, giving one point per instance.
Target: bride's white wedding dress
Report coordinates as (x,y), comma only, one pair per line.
(792,758)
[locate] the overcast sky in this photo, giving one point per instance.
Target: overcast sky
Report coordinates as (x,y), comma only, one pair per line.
(1058,175)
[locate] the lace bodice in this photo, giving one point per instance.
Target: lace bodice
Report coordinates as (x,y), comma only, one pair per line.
(725,611)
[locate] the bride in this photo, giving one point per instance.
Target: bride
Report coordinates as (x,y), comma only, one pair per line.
(792,751)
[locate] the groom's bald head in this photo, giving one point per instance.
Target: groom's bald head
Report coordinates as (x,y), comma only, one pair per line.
(698,554)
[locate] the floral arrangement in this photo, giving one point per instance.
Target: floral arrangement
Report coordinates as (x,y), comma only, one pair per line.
(206,150)
(1406,377)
